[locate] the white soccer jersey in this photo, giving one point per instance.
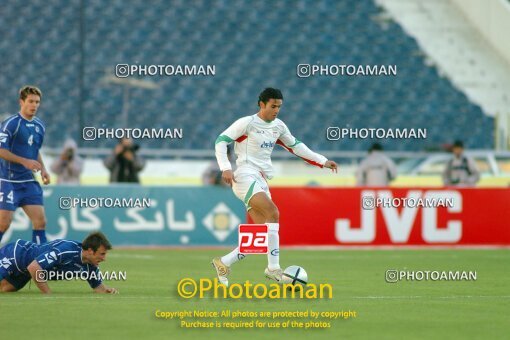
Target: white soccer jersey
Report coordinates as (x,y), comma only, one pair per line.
(254,142)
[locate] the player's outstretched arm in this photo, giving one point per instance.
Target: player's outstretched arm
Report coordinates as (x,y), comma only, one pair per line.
(331,165)
(27,163)
(293,145)
(39,277)
(102,289)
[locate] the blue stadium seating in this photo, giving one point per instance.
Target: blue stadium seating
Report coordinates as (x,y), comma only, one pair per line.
(253,45)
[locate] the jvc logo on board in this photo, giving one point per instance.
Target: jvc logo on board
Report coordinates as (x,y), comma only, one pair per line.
(400,223)
(253,239)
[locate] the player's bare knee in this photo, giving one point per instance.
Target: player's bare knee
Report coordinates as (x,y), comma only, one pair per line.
(4,226)
(273,214)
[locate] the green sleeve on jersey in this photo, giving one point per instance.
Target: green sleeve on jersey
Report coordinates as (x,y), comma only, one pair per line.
(223,138)
(296,143)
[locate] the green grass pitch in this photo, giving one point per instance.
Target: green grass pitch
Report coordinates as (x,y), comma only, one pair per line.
(403,310)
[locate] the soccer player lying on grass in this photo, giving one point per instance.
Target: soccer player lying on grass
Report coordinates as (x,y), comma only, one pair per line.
(255,137)
(21,261)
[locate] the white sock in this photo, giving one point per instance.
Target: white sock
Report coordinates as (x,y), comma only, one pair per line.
(273,254)
(232,257)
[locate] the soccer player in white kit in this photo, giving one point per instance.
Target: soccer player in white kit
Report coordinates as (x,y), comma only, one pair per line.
(255,137)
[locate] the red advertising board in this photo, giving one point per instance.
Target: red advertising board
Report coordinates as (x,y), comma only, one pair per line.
(396,216)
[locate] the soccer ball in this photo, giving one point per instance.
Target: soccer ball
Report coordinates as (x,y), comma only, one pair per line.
(295,275)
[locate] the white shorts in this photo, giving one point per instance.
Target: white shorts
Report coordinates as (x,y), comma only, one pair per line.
(248,184)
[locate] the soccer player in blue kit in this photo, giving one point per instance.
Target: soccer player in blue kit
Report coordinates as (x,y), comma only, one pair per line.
(21,137)
(21,261)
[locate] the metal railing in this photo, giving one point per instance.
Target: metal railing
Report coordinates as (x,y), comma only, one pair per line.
(209,153)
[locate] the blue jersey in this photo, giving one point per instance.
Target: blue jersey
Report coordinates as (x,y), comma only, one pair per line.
(57,256)
(23,138)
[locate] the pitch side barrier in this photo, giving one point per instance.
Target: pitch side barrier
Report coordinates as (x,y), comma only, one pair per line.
(133,215)
(394,217)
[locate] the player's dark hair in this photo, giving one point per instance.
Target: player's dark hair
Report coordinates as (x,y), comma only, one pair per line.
(29,89)
(269,93)
(96,240)
(458,144)
(375,147)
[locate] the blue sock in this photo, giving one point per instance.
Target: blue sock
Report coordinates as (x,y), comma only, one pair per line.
(39,236)
(1,234)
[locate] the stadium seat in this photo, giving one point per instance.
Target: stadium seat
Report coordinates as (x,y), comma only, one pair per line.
(249,54)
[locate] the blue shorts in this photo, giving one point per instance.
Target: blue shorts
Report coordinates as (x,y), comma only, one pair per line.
(14,195)
(9,269)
